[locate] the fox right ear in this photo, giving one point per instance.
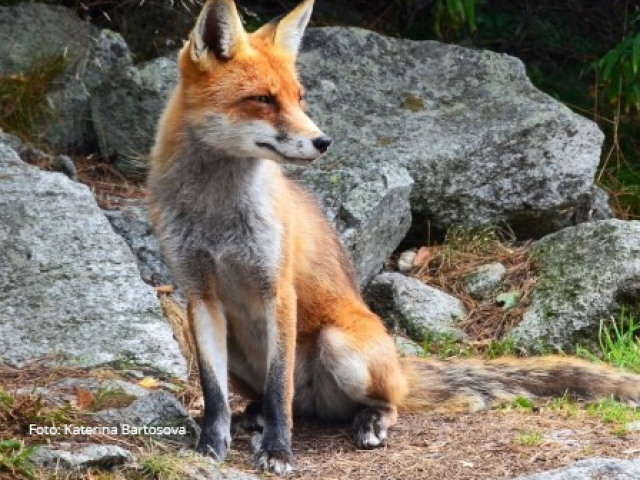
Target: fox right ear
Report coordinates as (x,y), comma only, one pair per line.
(218,30)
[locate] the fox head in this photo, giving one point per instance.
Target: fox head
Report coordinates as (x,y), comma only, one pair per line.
(242,95)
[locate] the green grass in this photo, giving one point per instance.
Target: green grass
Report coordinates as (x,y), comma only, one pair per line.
(618,343)
(523,403)
(529,438)
(111,398)
(565,405)
(445,346)
(14,459)
(500,348)
(23,97)
(615,413)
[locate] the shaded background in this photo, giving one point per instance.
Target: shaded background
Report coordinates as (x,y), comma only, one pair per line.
(585,53)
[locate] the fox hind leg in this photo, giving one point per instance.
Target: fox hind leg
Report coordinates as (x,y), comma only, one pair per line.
(249,421)
(371,424)
(364,367)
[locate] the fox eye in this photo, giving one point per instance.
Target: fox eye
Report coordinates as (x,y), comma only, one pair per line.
(303,97)
(265,99)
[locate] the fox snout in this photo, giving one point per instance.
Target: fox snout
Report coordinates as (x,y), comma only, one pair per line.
(294,147)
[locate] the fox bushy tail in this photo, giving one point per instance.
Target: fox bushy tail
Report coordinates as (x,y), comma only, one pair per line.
(467,385)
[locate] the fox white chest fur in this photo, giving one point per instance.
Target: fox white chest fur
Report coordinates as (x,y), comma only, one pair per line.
(221,231)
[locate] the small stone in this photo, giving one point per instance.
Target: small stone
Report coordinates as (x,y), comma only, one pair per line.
(90,456)
(407,347)
(405,261)
(420,310)
(592,468)
(158,409)
(633,426)
(484,280)
(64,164)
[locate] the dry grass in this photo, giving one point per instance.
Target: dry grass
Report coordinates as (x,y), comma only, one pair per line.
(484,445)
(111,188)
(177,317)
(462,252)
(23,97)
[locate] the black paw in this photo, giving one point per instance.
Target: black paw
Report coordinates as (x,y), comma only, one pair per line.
(369,429)
(249,421)
(273,455)
(214,442)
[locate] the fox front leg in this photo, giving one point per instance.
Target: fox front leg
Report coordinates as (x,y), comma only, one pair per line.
(274,448)
(210,332)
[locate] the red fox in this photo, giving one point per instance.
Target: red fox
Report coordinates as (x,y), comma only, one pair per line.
(272,301)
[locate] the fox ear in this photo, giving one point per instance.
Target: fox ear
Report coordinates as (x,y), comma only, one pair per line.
(218,30)
(290,28)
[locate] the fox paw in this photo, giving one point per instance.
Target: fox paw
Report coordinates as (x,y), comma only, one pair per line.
(272,459)
(369,429)
(249,421)
(214,444)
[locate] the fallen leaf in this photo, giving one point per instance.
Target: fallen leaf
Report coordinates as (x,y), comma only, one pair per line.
(422,256)
(149,382)
(84,399)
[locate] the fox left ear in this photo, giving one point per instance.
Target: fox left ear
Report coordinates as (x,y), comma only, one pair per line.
(287,31)
(218,30)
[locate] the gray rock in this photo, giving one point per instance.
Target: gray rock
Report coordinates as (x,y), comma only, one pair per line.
(586,274)
(208,469)
(405,261)
(63,392)
(35,32)
(11,140)
(592,206)
(484,280)
(90,456)
(593,469)
(31,31)
(70,284)
(407,347)
(157,409)
(420,310)
(482,144)
(64,164)
(368,207)
(133,224)
(529,166)
(125,111)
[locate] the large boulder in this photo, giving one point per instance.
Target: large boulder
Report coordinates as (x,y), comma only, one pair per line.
(368,206)
(125,110)
(586,275)
(70,284)
(481,142)
(132,223)
(593,468)
(35,36)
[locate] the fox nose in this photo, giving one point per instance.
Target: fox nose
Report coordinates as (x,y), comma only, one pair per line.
(321,143)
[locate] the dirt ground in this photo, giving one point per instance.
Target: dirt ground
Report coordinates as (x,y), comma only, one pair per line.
(484,445)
